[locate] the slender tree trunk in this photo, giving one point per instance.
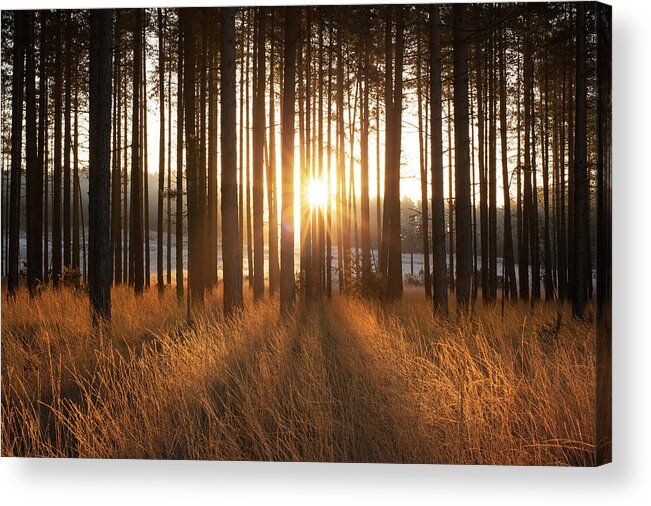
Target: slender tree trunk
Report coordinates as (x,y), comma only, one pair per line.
(34,174)
(342,221)
(18,78)
(527,205)
(116,218)
(394,260)
(328,204)
(76,187)
(99,162)
(483,181)
(510,282)
(249,85)
(287,287)
(604,234)
(462,160)
(179,165)
(135,239)
(492,176)
(195,283)
(43,139)
(272,201)
(203,249)
(242,168)
(544,136)
(364,197)
(451,203)
(213,200)
(580,238)
(258,158)
(439,274)
(388,146)
(161,153)
(169,175)
(423,173)
(127,266)
(67,145)
(533,227)
(231,239)
(144,159)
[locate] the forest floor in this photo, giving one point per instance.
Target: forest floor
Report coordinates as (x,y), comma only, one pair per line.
(345,380)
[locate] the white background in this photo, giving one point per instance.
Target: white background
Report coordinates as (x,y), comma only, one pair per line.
(626,481)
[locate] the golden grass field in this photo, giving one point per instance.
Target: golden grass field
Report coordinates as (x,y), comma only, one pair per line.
(345,380)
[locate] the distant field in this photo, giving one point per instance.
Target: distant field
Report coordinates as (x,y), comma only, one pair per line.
(342,380)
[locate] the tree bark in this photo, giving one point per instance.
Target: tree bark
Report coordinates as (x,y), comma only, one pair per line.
(439,273)
(18,78)
(462,160)
(231,240)
(99,163)
(258,158)
(34,174)
(179,165)
(287,286)
(580,238)
(161,153)
(135,239)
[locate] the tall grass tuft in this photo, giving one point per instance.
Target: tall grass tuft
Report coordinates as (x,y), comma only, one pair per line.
(345,380)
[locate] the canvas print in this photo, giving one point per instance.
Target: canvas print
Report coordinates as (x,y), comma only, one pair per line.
(352,233)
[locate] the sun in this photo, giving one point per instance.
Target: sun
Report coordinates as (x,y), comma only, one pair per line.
(317,193)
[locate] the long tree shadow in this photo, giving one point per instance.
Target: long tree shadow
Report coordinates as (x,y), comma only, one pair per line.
(378,417)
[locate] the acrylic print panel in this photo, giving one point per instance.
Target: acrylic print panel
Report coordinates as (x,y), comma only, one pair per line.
(369,233)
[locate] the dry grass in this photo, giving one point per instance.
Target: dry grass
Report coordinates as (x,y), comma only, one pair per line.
(344,381)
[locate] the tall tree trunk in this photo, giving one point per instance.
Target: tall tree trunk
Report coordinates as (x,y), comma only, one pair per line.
(604,234)
(43,139)
(544,138)
(76,187)
(212,229)
(144,158)
(127,266)
(34,175)
(249,85)
(242,168)
(439,273)
(388,146)
(67,145)
(169,175)
(195,283)
(203,250)
(116,218)
(258,158)
(231,240)
(424,208)
(523,259)
(20,22)
(462,160)
(533,216)
(272,201)
(99,162)
(451,203)
(287,287)
(483,181)
(394,260)
(510,282)
(492,175)
(161,152)
(135,239)
(342,220)
(580,238)
(364,197)
(328,204)
(179,165)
